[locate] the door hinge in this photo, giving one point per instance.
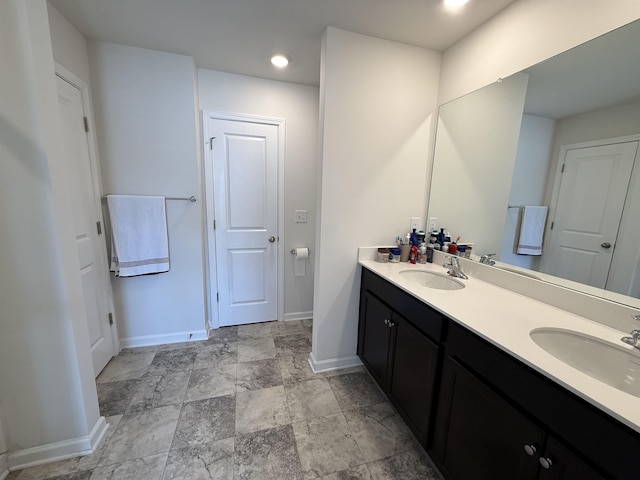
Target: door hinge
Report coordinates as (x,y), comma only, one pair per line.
(562,169)
(217,297)
(99,227)
(551,228)
(214,224)
(211,143)
(110,318)
(86,124)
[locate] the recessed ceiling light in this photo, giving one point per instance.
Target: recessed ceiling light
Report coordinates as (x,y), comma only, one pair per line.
(455,3)
(280,61)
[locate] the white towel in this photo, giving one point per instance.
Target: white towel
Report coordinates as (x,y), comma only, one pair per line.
(140,244)
(532,230)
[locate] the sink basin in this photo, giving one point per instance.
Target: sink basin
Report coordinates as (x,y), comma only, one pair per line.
(429,279)
(612,364)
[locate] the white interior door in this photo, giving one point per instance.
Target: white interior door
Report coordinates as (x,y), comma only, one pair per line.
(91,249)
(245,194)
(590,201)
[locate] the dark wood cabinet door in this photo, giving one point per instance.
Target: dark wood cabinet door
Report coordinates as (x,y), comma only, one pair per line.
(479,435)
(562,464)
(412,375)
(374,339)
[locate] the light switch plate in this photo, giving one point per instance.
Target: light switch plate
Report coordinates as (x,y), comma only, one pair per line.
(301,216)
(415,223)
(433,223)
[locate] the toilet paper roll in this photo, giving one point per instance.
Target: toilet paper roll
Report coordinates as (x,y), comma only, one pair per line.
(300,263)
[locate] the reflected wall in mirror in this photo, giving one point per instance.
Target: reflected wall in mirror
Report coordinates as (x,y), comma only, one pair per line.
(562,134)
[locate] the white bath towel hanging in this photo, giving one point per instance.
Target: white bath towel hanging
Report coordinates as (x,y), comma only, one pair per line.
(532,230)
(140,244)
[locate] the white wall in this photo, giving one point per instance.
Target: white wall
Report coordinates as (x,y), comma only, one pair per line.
(379,99)
(298,105)
(523,34)
(474,160)
(529,182)
(3,441)
(144,104)
(69,45)
(607,123)
(48,395)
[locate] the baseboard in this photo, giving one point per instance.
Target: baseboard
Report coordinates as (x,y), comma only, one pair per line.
(288,317)
(4,466)
(149,340)
(333,363)
(54,452)
(98,433)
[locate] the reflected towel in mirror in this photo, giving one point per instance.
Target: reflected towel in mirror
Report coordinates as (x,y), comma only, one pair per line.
(532,224)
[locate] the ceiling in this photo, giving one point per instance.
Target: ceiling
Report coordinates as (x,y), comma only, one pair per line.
(239,36)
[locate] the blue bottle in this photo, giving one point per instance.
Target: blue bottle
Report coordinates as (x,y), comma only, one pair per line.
(414,238)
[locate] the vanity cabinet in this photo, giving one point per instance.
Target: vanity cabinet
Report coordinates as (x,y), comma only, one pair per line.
(398,342)
(478,434)
(481,436)
(499,419)
(479,411)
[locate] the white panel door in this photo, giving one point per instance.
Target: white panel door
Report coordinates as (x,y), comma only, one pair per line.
(91,249)
(245,184)
(590,202)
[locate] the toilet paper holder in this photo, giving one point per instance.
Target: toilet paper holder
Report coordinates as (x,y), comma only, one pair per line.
(293,251)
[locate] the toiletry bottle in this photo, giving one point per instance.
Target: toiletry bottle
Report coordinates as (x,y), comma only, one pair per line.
(413,255)
(441,237)
(414,238)
(430,249)
(422,253)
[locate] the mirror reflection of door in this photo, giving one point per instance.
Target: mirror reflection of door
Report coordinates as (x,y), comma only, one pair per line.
(590,202)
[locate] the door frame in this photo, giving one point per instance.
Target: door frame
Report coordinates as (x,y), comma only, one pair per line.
(557,180)
(96,179)
(208,117)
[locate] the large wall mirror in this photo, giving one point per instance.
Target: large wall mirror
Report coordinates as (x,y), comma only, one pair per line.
(563,134)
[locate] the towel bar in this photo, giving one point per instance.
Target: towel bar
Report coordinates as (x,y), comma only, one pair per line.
(192,198)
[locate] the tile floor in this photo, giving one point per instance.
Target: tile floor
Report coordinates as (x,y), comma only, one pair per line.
(243,405)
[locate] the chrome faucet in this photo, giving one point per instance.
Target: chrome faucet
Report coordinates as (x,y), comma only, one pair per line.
(633,340)
(454,268)
(486,259)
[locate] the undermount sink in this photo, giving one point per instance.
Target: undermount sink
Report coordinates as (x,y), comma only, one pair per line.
(612,364)
(429,279)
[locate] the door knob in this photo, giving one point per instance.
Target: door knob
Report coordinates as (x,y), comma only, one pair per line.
(272,239)
(530,449)
(545,462)
(605,245)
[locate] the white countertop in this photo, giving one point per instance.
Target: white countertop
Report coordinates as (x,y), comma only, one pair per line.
(505,319)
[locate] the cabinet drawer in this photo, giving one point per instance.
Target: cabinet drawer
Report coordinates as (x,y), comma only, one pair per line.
(423,317)
(606,443)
